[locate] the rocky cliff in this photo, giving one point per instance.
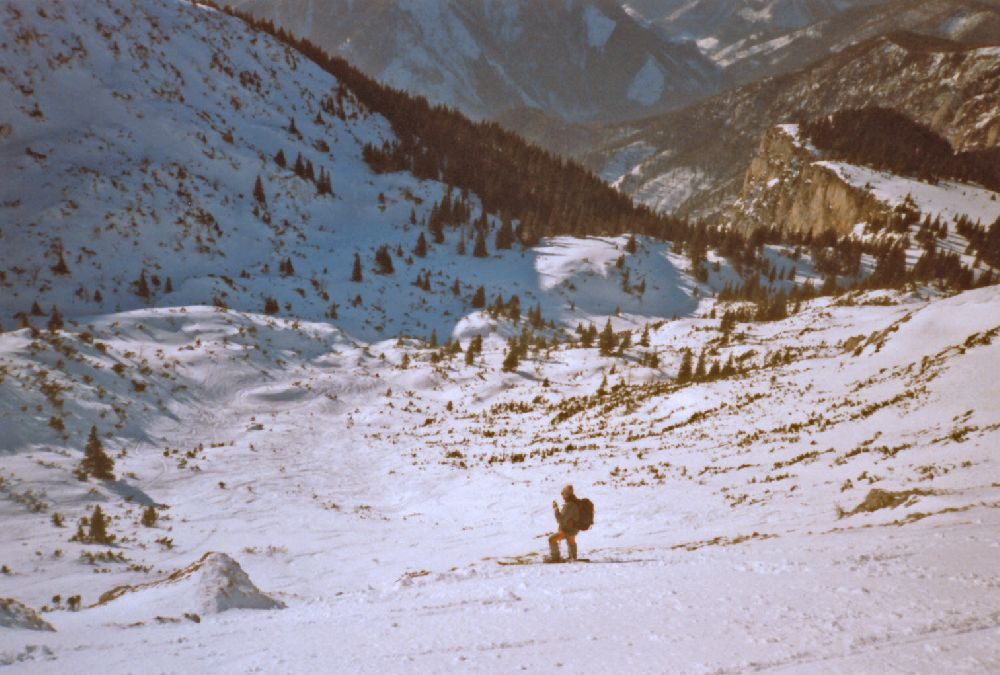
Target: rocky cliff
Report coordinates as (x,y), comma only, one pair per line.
(695,159)
(787,186)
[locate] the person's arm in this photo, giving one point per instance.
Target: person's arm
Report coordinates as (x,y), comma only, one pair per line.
(555,511)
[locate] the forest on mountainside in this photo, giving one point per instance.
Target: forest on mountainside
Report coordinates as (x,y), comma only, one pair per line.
(888,140)
(548,195)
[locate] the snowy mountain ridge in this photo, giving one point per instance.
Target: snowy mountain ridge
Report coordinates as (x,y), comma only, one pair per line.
(580,60)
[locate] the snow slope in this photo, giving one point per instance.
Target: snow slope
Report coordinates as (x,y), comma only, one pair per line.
(375,500)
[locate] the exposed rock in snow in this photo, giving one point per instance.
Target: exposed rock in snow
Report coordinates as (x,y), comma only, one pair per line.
(213,584)
(15,614)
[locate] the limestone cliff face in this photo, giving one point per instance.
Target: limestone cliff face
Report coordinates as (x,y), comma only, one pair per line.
(785,187)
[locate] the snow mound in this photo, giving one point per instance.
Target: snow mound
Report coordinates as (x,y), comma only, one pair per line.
(215,583)
(14,614)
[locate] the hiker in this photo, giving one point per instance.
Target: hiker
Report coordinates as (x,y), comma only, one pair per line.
(569,524)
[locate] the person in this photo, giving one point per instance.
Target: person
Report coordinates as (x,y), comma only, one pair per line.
(568,519)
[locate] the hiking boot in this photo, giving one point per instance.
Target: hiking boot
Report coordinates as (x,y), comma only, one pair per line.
(553,552)
(552,559)
(572,551)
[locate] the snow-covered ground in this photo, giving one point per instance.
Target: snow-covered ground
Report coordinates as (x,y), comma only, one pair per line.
(376,501)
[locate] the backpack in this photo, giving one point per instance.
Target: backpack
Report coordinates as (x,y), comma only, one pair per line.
(586,514)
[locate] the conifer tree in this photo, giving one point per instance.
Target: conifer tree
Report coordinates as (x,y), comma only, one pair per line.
(140,287)
(383,260)
(512,359)
(60,267)
(630,245)
(607,342)
(699,371)
(55,320)
(479,248)
(279,158)
(96,462)
(270,306)
(36,310)
(356,275)
(168,286)
(98,532)
(644,339)
(258,192)
(420,250)
(686,369)
(505,235)
(479,298)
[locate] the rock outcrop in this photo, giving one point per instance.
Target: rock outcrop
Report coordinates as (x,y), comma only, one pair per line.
(786,187)
(15,614)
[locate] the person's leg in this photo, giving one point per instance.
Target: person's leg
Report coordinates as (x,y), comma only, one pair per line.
(571,545)
(554,545)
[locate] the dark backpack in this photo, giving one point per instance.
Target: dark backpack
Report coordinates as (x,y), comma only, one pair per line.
(586,514)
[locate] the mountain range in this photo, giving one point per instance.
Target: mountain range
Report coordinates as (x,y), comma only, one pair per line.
(580,60)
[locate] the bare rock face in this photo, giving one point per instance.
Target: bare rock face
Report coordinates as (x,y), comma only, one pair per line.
(784,187)
(15,614)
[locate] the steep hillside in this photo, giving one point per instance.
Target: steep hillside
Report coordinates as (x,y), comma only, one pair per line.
(578,60)
(236,172)
(693,161)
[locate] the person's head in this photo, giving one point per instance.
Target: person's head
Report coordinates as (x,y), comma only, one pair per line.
(567,492)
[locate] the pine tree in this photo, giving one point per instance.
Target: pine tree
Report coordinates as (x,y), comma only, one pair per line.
(100,298)
(96,462)
(279,158)
(270,306)
(55,321)
(687,363)
(479,298)
(479,248)
(36,310)
(140,287)
(644,339)
(512,358)
(383,260)
(168,286)
(420,250)
(474,349)
(505,235)
(98,533)
(699,371)
(356,275)
(630,245)
(258,192)
(607,342)
(60,267)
